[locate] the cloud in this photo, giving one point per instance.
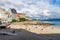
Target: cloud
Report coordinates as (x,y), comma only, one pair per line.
(41,9)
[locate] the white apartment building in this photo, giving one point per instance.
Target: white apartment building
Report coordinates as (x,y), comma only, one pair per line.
(5,16)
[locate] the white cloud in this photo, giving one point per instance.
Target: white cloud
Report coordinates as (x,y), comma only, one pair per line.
(46,13)
(33,8)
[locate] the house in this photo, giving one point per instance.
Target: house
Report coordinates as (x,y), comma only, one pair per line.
(2,9)
(21,15)
(5,17)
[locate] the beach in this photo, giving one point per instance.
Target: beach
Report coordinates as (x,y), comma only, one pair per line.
(36,28)
(32,32)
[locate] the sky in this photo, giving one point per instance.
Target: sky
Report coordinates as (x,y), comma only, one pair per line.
(39,9)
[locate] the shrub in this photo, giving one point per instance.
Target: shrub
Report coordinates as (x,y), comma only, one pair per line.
(14,20)
(22,19)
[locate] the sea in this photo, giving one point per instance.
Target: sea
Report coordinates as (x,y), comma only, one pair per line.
(56,23)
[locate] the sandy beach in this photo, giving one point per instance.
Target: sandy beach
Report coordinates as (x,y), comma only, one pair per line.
(36,28)
(32,32)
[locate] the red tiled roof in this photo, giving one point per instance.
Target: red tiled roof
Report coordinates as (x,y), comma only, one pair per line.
(20,14)
(2,9)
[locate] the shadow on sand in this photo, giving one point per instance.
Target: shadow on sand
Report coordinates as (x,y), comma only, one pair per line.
(26,35)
